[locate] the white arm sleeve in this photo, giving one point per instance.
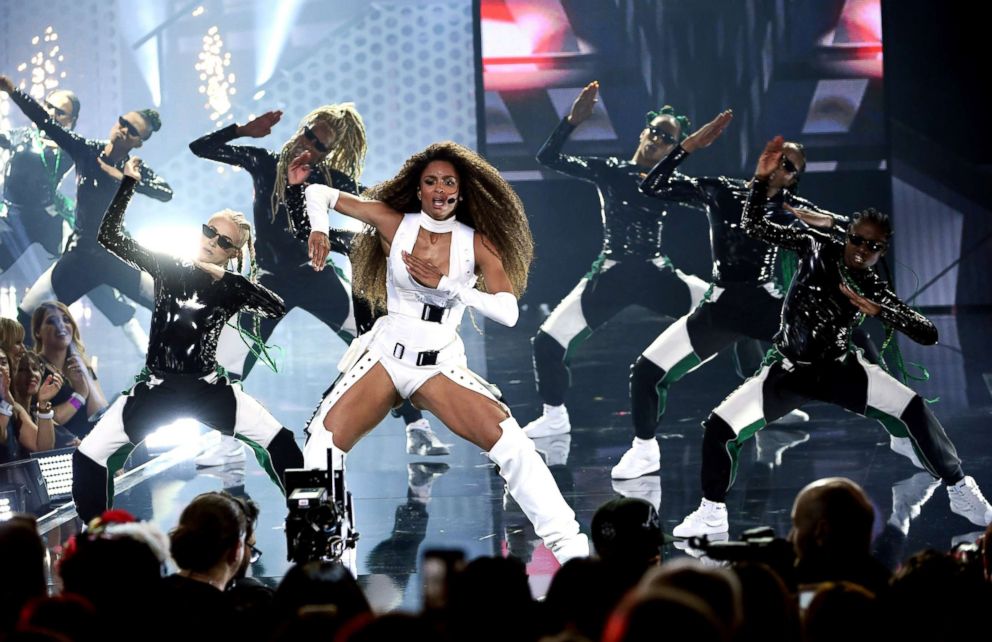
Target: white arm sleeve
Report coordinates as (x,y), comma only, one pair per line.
(500,307)
(320,199)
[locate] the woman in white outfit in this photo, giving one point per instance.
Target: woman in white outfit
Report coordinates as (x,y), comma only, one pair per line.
(469,245)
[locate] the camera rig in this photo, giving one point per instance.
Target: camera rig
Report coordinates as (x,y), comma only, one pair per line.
(321,520)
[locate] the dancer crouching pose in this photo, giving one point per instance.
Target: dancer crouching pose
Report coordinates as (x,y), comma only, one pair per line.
(423,269)
(813,359)
(193,301)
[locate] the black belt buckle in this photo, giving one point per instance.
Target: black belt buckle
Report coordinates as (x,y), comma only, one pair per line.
(398,350)
(432,313)
(428,358)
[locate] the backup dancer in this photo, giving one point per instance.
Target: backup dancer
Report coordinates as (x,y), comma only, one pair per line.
(334,136)
(85,265)
(193,301)
(835,288)
(744,302)
(630,270)
(34,209)
(425,269)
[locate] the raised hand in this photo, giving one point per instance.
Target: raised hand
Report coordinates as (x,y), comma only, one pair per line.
(76,371)
(299,169)
(425,272)
(584,103)
(705,135)
(868,307)
(51,387)
(6,84)
(4,386)
(811,218)
(260,126)
(770,158)
(132,168)
(318,247)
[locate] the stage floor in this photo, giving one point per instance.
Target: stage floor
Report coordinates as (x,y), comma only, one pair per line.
(407,504)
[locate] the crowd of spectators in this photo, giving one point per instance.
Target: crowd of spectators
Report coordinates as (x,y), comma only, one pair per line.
(125,579)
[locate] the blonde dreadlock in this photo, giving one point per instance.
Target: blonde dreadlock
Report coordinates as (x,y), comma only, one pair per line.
(347,154)
(490,206)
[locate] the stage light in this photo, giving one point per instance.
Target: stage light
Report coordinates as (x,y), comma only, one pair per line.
(10,502)
(143,18)
(178,433)
(217,84)
(198,11)
(56,468)
(175,240)
(273,20)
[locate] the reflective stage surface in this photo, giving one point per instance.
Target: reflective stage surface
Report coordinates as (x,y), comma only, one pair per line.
(407,504)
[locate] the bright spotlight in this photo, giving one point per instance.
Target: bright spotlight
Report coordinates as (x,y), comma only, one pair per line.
(274,21)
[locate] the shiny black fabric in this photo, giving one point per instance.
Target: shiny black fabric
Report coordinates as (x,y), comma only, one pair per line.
(94,188)
(274,235)
(817,318)
(632,222)
(31,178)
(190,307)
(33,170)
(737,258)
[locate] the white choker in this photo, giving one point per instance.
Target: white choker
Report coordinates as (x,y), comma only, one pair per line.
(434,225)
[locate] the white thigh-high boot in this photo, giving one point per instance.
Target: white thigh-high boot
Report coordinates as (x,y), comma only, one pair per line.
(315,450)
(533,488)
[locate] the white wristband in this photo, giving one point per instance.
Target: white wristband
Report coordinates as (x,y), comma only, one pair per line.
(320,199)
(6,409)
(46,415)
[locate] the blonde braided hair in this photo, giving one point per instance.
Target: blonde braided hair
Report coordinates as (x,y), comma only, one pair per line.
(347,154)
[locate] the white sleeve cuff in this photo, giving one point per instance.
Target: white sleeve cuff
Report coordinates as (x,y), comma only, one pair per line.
(500,307)
(320,199)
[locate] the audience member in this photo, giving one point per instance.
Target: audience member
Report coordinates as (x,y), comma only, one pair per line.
(716,586)
(842,611)
(482,583)
(570,604)
(23,577)
(326,589)
(626,533)
(831,534)
(31,425)
(770,610)
(57,340)
(664,613)
(208,546)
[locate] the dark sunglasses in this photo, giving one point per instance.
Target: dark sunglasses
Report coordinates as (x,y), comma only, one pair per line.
(222,241)
(61,113)
(131,130)
(255,554)
(312,137)
(789,166)
(874,246)
(662,134)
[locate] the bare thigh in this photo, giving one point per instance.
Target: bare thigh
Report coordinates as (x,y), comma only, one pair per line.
(361,408)
(468,414)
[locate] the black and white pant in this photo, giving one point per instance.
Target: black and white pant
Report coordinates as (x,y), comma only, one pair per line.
(608,287)
(851,383)
(731,313)
(157,401)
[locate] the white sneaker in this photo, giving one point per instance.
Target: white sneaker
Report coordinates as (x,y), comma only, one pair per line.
(908,498)
(554,421)
(796,416)
(710,518)
(644,457)
(421,440)
(226,452)
(903,446)
(967,500)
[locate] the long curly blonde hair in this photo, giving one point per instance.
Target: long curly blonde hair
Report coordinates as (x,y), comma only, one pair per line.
(38,319)
(489,206)
(347,155)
